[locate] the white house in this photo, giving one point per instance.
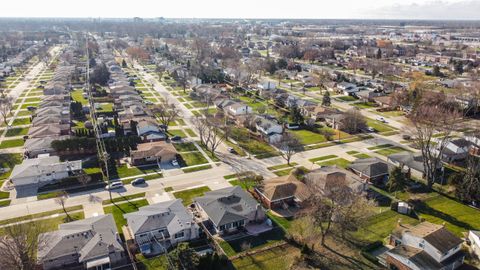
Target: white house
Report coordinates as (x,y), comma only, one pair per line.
(424,246)
(238,108)
(42,170)
(268,128)
(146,126)
(267,85)
(347,88)
(474,238)
(161,225)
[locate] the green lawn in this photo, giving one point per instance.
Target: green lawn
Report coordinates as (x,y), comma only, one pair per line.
(35,99)
(190,132)
(193,158)
(458,217)
(16,132)
(177,132)
(12,143)
(185,147)
(24,113)
(307,137)
(39,215)
(364,105)
(196,169)
(340,162)
(380,146)
(256,147)
(188,195)
(77,95)
(346,98)
(273,236)
(322,158)
(24,106)
(21,121)
(9,161)
(123,171)
(284,223)
(381,225)
(391,150)
(119,210)
(282,166)
(362,155)
(105,108)
(379,126)
(283,172)
(124,198)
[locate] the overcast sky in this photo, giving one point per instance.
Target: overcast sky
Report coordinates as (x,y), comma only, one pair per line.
(316,9)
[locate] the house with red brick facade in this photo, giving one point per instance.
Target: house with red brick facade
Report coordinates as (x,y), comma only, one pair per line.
(283,191)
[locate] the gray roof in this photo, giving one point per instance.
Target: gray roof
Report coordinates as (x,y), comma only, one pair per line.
(170,214)
(88,238)
(43,165)
(227,205)
(34,144)
(370,167)
(408,159)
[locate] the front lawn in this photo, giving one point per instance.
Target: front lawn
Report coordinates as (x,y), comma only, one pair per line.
(16,132)
(12,143)
(339,162)
(185,147)
(197,168)
(21,121)
(124,198)
(313,160)
(253,145)
(119,210)
(123,171)
(176,132)
(390,151)
(307,137)
(379,126)
(193,158)
(346,98)
(188,195)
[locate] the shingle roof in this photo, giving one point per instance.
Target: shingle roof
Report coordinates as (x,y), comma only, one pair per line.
(170,214)
(370,167)
(88,238)
(43,165)
(157,149)
(227,205)
(284,187)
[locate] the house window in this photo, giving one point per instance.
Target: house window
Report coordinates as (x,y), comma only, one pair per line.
(179,235)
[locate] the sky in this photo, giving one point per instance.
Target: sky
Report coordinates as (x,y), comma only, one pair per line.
(312,9)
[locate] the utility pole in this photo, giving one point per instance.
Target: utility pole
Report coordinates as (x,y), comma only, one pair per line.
(102,154)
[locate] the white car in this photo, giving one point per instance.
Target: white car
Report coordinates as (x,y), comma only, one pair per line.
(174,162)
(114,185)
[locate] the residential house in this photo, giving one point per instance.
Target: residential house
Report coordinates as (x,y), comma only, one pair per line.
(368,95)
(347,88)
(269,129)
(326,177)
(42,170)
(384,101)
(424,246)
(267,85)
(456,150)
(282,192)
(318,112)
(92,243)
(409,162)
(48,130)
(229,209)
(40,146)
(238,108)
(372,170)
(153,152)
(159,226)
(474,238)
(148,129)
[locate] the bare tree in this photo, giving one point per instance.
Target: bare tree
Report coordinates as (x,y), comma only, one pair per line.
(333,205)
(61,199)
(210,132)
(6,105)
(166,113)
(18,245)
(353,121)
(288,145)
(429,119)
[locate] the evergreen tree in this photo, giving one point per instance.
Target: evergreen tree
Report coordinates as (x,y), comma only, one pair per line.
(326,99)
(396,180)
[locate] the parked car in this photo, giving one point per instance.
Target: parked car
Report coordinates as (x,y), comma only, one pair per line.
(174,162)
(138,181)
(406,137)
(176,138)
(31,108)
(381,119)
(231,150)
(114,185)
(370,129)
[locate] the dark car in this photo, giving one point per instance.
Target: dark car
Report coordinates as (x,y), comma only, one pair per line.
(138,181)
(176,138)
(31,108)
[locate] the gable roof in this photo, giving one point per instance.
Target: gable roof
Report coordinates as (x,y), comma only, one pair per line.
(157,149)
(227,205)
(371,167)
(88,238)
(284,187)
(170,214)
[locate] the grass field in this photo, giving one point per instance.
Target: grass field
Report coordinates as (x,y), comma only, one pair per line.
(120,209)
(196,169)
(193,158)
(307,137)
(391,150)
(340,162)
(188,195)
(123,171)
(12,143)
(77,95)
(185,147)
(280,258)
(16,132)
(21,121)
(322,158)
